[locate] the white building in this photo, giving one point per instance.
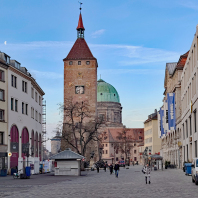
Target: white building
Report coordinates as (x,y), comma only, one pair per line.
(24,121)
(189,96)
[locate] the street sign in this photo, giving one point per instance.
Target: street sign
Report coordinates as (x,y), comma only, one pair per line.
(9,154)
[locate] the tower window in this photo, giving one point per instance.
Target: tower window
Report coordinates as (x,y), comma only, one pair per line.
(70,62)
(114,94)
(88,62)
(100,93)
(79,62)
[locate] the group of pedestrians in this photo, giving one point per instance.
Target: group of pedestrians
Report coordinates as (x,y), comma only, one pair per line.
(116,168)
(146,170)
(112,168)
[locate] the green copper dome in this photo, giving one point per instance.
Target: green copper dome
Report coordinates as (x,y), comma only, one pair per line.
(106,92)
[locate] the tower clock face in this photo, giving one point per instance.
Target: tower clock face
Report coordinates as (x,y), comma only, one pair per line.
(79,89)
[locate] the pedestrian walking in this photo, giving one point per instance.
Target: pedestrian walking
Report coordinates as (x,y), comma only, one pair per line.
(116,168)
(105,167)
(111,169)
(98,168)
(147,171)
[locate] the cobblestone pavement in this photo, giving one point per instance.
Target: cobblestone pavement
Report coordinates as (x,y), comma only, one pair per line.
(131,183)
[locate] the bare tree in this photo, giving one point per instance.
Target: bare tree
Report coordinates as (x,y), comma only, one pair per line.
(125,143)
(80,125)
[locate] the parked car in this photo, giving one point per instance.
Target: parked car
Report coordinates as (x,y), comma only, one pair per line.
(195,171)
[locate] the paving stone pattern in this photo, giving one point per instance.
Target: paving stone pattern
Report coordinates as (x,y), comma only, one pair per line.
(130,183)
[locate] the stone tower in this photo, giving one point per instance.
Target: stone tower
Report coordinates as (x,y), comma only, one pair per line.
(80,74)
(80,71)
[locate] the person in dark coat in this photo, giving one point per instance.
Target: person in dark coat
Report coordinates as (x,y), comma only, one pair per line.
(105,167)
(116,168)
(111,168)
(98,168)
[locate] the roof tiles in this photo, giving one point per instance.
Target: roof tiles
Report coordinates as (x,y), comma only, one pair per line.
(80,51)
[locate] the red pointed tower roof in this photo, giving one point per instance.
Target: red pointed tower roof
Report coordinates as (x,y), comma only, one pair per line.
(80,49)
(80,23)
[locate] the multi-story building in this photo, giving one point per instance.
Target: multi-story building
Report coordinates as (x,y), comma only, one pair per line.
(171,140)
(151,139)
(4,61)
(189,103)
(111,152)
(24,112)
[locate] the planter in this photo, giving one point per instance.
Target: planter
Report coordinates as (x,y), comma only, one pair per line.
(3,173)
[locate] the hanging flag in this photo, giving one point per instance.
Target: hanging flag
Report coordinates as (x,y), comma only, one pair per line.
(165,117)
(171,111)
(159,128)
(161,121)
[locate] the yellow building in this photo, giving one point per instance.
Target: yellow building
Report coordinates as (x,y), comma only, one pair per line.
(151,139)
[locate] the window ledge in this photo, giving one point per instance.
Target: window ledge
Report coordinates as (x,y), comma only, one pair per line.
(2,81)
(2,121)
(2,100)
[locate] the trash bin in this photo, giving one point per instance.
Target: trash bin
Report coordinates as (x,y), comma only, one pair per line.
(188,168)
(3,173)
(13,170)
(28,171)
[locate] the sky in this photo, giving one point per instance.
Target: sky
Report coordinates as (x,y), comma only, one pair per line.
(131,39)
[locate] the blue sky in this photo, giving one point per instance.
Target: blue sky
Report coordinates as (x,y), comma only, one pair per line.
(131,39)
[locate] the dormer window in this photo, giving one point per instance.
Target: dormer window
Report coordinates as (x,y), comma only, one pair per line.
(7,59)
(17,65)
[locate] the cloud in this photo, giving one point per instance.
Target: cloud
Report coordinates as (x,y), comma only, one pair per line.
(123,55)
(138,55)
(98,33)
(49,75)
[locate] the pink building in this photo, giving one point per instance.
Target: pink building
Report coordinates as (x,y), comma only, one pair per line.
(111,150)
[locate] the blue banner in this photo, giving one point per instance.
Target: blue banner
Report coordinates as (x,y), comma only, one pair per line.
(171,111)
(161,121)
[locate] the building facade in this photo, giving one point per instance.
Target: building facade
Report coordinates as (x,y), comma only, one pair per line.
(171,140)
(111,152)
(189,103)
(151,139)
(24,113)
(4,61)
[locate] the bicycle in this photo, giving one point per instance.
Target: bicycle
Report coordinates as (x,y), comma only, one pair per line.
(17,175)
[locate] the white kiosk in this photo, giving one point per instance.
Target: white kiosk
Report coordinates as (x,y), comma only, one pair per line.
(67,163)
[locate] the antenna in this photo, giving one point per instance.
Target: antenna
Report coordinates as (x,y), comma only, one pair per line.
(80,4)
